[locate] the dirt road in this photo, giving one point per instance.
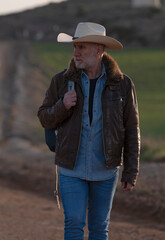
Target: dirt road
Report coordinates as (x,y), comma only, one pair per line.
(26,216)
(27,209)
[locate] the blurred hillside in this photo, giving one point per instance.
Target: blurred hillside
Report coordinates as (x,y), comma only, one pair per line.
(134,27)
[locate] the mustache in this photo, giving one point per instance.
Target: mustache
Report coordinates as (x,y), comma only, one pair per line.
(77,59)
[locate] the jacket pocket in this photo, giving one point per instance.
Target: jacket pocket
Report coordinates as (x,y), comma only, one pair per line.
(114,118)
(116,108)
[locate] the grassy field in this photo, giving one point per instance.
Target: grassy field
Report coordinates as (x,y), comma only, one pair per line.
(146,67)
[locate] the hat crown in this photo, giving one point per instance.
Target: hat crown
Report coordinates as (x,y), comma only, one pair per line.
(87,28)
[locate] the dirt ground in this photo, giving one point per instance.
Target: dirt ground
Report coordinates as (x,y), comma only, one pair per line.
(28,210)
(30,217)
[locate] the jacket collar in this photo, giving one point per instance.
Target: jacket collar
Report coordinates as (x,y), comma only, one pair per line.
(112,69)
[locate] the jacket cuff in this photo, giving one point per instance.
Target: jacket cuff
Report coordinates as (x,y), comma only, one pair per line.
(131,180)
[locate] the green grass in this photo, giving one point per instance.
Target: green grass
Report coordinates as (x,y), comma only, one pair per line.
(53,57)
(146,67)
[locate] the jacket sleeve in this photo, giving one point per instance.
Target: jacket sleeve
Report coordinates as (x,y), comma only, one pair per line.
(132,137)
(52,112)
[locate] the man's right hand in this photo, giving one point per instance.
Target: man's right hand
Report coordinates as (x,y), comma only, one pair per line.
(70,99)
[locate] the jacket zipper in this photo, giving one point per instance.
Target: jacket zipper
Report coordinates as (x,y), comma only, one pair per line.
(103,121)
(80,129)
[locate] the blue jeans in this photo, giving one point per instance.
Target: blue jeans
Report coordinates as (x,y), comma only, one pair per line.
(76,195)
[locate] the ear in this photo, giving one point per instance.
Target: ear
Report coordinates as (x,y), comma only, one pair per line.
(100,49)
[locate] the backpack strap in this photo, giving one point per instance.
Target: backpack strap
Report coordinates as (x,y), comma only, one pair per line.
(56,192)
(71,85)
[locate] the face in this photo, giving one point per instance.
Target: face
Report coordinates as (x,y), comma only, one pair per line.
(85,55)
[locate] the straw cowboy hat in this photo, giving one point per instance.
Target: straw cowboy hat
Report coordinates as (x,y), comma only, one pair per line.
(92,33)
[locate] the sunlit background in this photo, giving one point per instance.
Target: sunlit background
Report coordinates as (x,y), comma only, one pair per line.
(8,6)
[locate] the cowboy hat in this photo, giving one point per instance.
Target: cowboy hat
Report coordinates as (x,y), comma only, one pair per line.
(92,33)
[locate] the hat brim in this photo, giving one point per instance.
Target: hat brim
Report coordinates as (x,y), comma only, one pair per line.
(108,42)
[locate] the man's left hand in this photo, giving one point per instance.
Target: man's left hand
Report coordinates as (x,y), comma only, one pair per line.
(127,186)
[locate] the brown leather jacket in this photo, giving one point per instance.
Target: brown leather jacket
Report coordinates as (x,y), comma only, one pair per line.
(121,135)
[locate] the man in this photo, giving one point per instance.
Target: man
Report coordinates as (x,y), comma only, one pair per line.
(97,129)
